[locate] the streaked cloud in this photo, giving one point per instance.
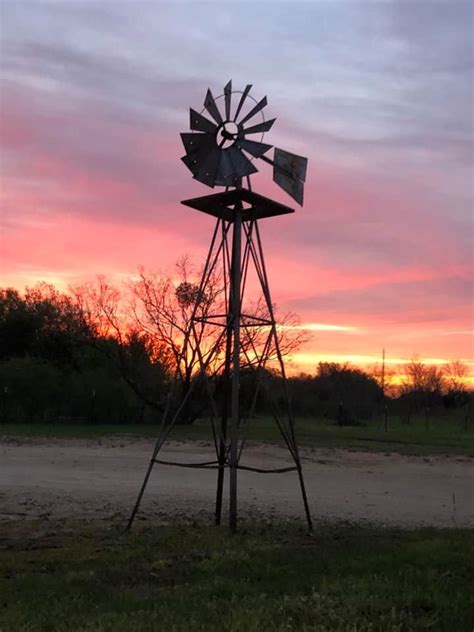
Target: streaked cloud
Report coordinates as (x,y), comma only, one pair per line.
(321,327)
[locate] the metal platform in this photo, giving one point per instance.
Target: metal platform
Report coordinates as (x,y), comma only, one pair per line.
(222,205)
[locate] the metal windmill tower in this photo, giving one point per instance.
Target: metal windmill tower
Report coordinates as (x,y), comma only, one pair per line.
(221,151)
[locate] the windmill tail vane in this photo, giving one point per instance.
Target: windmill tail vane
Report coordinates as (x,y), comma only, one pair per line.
(221,148)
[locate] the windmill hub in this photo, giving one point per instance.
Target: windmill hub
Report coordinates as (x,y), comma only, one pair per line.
(227,134)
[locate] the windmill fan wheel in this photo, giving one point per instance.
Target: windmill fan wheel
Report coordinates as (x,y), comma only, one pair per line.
(219,151)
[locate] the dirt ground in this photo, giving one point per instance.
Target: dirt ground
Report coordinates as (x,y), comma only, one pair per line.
(49,483)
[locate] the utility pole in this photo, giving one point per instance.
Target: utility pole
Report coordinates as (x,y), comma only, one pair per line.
(384,404)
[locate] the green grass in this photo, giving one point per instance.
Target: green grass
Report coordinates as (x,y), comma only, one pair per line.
(345,578)
(444,436)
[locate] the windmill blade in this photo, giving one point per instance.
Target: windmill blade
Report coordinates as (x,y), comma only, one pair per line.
(243,166)
(233,166)
(190,162)
(200,123)
(265,126)
(226,168)
(196,159)
(289,172)
(207,170)
(195,142)
(255,110)
(242,100)
(253,148)
(227,98)
(211,107)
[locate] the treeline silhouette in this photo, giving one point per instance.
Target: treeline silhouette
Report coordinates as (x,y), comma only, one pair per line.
(59,364)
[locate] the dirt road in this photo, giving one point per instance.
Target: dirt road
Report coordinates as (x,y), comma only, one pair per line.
(42,482)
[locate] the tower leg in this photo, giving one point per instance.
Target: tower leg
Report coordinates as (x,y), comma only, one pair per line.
(309,520)
(140,494)
(209,266)
(223,430)
(295,453)
(220,483)
(235,408)
(226,387)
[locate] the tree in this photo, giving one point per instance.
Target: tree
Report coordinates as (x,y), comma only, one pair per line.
(43,323)
(424,379)
(18,325)
(422,387)
(163,309)
(345,392)
(63,330)
(143,363)
(53,365)
(33,388)
(167,309)
(455,384)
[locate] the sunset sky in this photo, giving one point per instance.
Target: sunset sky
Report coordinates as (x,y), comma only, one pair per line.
(378,95)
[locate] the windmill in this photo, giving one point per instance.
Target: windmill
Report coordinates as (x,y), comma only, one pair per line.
(222,149)
(219,152)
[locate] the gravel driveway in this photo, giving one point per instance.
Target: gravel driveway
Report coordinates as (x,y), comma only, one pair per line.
(44,482)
